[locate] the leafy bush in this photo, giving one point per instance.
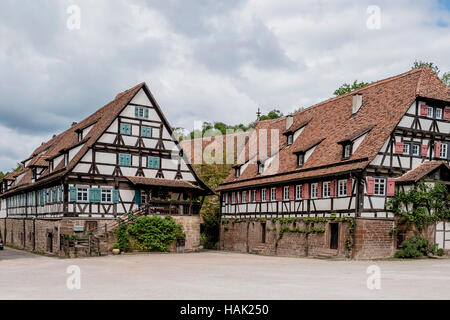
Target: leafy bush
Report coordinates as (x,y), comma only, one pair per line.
(155,233)
(123,240)
(415,247)
(440,252)
(116,246)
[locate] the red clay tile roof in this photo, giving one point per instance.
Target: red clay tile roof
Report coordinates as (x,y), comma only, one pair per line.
(421,171)
(163,182)
(384,104)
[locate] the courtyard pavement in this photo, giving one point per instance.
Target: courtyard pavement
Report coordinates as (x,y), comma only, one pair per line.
(218,275)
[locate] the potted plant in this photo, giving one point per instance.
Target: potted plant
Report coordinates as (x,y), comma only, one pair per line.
(116,249)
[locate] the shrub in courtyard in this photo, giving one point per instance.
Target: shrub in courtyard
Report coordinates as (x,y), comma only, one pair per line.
(123,240)
(155,233)
(415,247)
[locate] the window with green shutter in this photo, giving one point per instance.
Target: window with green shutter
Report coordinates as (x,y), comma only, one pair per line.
(116,196)
(140,112)
(124,159)
(125,128)
(146,132)
(94,194)
(73,194)
(153,162)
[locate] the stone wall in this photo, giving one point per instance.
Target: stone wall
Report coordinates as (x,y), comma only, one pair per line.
(372,239)
(247,236)
(191,227)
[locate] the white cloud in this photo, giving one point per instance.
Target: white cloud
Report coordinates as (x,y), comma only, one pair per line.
(204,60)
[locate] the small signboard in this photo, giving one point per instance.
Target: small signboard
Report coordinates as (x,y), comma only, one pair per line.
(78,228)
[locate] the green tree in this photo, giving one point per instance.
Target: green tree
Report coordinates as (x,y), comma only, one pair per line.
(346,88)
(273,114)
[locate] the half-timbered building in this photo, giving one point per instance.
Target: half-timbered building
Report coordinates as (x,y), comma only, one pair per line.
(121,158)
(316,182)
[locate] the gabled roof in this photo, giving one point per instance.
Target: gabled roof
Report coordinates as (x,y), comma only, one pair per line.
(100,121)
(384,104)
(421,171)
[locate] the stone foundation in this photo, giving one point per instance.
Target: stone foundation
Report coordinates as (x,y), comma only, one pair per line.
(44,235)
(248,237)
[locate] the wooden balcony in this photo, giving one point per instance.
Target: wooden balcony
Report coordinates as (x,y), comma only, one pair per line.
(172,207)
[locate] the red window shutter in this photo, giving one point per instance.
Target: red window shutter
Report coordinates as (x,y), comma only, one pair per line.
(258,195)
(424,110)
(390,187)
(370,185)
(279,195)
(319,189)
(349,187)
(291,192)
(447,113)
(305,191)
(437,149)
(424,150)
(399,147)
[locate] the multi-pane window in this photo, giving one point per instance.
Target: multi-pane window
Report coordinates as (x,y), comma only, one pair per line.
(298,192)
(406,148)
(273,194)
(233,197)
(326,189)
(286,193)
(290,139)
(141,112)
(263,195)
(438,113)
(416,149)
(244,196)
(444,150)
(254,195)
(430,112)
(107,195)
(314,189)
(379,186)
(82,194)
(300,159)
(260,168)
(347,150)
(143,197)
(342,188)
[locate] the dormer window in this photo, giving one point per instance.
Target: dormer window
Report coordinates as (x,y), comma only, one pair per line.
(80,136)
(290,139)
(347,150)
(237,172)
(300,160)
(260,167)
(33,174)
(66,159)
(50,166)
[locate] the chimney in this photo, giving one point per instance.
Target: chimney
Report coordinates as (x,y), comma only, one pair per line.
(258,115)
(289,121)
(74,123)
(357,102)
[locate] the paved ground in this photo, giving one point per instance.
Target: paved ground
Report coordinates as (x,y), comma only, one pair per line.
(218,275)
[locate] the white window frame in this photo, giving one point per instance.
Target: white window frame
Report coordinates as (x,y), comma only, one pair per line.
(430,109)
(290,139)
(347,150)
(440,113)
(326,189)
(260,168)
(233,197)
(273,194)
(443,153)
(106,194)
(342,188)
(244,196)
(300,160)
(314,190)
(263,195)
(253,195)
(286,193)
(379,187)
(237,172)
(141,110)
(83,192)
(407,147)
(143,197)
(415,147)
(298,192)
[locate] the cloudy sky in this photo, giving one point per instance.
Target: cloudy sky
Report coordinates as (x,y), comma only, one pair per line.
(215,60)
